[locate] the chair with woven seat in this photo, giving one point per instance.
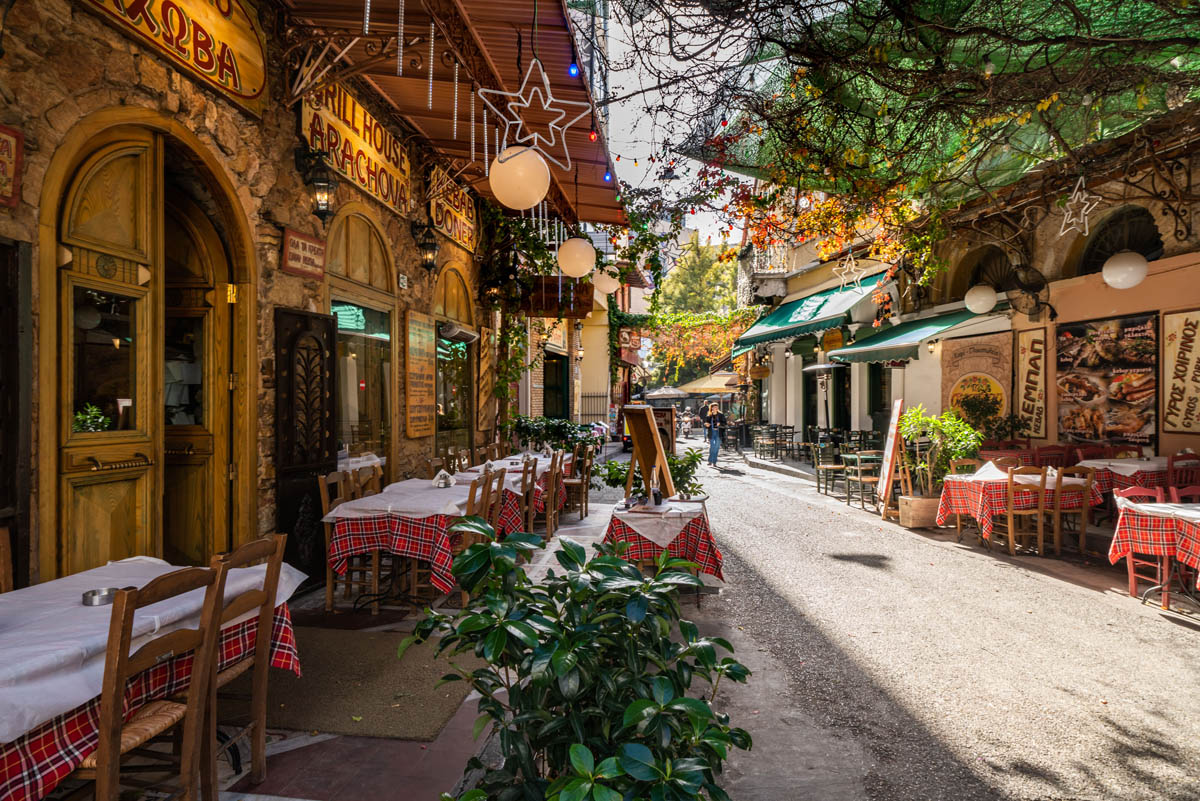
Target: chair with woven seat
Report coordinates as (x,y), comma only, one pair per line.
(960,467)
(1086,452)
(496,497)
(1161,565)
(528,493)
(1011,525)
(826,466)
(863,477)
(578,485)
(121,737)
(433,467)
(479,504)
(363,570)
(1066,494)
(259,602)
(1185,494)
(550,511)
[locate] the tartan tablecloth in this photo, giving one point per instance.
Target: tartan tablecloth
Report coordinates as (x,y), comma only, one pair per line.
(1157,535)
(539,494)
(36,762)
(695,543)
(985,500)
(991,454)
(1107,480)
(421,538)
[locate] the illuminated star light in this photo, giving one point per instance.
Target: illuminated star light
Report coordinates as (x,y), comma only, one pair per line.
(1077,208)
(535,94)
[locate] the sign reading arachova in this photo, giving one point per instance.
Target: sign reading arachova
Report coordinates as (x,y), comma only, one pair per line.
(452,210)
(1181,372)
(358,146)
(217,41)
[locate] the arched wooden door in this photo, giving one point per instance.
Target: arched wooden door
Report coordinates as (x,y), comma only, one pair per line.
(119,252)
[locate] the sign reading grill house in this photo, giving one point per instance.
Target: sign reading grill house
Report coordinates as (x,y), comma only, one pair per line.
(358,146)
(218,41)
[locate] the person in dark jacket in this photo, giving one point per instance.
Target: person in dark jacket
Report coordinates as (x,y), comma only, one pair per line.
(714,421)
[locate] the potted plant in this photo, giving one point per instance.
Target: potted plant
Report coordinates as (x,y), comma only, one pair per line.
(936,440)
(683,474)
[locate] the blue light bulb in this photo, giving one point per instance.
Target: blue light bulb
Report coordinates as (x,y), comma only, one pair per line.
(607,176)
(573,69)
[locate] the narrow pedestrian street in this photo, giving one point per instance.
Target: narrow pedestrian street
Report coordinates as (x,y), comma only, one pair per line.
(893,664)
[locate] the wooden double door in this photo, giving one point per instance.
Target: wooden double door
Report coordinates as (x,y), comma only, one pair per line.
(145,380)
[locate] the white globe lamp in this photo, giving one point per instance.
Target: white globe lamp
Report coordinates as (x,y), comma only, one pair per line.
(519,178)
(1125,270)
(576,257)
(605,282)
(981,299)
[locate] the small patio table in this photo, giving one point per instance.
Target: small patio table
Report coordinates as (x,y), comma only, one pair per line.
(52,653)
(681,527)
(1113,474)
(1168,530)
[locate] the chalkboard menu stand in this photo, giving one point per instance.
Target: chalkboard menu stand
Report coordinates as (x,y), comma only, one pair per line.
(887,472)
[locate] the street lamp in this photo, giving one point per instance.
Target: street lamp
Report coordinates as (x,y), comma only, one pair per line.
(427,244)
(579,339)
(319,179)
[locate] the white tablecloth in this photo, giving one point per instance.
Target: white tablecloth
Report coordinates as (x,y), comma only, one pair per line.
(416,497)
(1127,467)
(355,462)
(1180,511)
(990,472)
(512,476)
(52,647)
(659,526)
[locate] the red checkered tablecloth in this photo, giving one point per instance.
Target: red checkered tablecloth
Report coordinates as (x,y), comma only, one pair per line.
(985,500)
(511,520)
(1026,457)
(1106,480)
(539,494)
(1157,535)
(35,763)
(421,538)
(695,543)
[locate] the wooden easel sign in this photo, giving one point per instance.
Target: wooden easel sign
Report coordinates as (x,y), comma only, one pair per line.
(648,451)
(887,472)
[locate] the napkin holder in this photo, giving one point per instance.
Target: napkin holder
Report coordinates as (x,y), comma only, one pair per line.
(443,480)
(488,466)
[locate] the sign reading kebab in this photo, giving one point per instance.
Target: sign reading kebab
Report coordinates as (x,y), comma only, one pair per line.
(358,146)
(217,41)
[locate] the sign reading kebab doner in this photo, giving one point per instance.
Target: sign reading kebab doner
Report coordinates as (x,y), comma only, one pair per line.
(358,146)
(217,41)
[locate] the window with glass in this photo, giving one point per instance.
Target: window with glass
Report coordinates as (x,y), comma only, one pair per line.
(183,372)
(104,334)
(454,392)
(363,424)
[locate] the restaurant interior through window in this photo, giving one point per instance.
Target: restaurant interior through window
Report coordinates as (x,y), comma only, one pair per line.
(455,384)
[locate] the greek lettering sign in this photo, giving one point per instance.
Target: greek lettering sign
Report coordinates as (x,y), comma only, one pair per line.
(1181,372)
(420,366)
(358,146)
(217,41)
(1030,400)
(303,255)
(452,210)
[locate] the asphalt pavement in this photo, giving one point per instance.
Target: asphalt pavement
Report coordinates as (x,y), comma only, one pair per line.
(893,664)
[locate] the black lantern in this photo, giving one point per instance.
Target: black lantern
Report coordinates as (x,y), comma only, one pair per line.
(427,244)
(319,179)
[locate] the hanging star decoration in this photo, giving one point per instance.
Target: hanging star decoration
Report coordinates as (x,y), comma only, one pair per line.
(848,270)
(536,96)
(1079,205)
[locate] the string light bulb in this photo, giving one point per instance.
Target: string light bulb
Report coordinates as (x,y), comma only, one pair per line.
(592,135)
(573,70)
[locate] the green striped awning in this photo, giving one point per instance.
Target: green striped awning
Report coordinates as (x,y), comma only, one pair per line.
(900,341)
(815,313)
(738,350)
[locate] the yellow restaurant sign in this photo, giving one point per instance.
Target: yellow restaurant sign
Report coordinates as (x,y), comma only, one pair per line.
(358,146)
(452,210)
(218,41)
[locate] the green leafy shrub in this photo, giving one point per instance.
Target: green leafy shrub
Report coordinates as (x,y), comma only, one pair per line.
(595,685)
(538,432)
(937,440)
(683,473)
(90,419)
(983,413)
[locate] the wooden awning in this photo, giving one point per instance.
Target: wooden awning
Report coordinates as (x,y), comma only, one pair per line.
(491,41)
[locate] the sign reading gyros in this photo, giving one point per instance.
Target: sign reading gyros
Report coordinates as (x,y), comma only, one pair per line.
(358,146)
(1181,372)
(217,41)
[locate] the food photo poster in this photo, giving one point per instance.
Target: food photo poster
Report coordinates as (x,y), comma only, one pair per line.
(1108,380)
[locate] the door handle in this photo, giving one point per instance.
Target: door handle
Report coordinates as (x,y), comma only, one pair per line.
(140,460)
(187,450)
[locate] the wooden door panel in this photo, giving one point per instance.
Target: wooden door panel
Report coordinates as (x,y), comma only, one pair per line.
(187,509)
(108,516)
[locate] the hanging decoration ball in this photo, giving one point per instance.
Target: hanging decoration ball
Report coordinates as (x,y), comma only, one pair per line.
(605,282)
(592,135)
(519,178)
(724,122)
(1125,270)
(576,257)
(981,299)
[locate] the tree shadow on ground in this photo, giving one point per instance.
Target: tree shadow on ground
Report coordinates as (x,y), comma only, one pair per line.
(875,560)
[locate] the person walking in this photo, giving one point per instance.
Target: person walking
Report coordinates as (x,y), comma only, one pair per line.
(714,421)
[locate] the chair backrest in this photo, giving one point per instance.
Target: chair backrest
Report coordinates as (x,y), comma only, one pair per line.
(433,467)
(369,480)
(1007,462)
(120,664)
(1085,452)
(1064,489)
(964,465)
(335,489)
(1017,488)
(1050,456)
(269,550)
(528,477)
(1138,494)
(479,498)
(1183,469)
(6,564)
(1186,494)
(554,480)
(461,460)
(496,496)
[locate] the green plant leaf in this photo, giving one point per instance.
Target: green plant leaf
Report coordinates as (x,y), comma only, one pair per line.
(472,623)
(574,551)
(480,723)
(635,610)
(576,790)
(638,711)
(582,759)
(568,684)
(609,769)
(522,631)
(715,793)
(662,689)
(638,761)
(564,661)
(693,706)
(602,793)
(494,644)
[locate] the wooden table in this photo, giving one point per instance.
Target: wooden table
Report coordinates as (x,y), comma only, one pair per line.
(52,651)
(684,532)
(1167,530)
(1113,474)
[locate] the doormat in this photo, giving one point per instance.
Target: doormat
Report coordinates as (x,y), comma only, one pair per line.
(354,684)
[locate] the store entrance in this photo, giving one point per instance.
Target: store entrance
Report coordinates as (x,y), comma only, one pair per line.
(555,401)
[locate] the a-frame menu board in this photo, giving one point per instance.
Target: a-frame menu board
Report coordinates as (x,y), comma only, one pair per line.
(887,472)
(648,451)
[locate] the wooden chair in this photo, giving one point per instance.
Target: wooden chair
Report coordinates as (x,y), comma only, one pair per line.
(496,497)
(826,466)
(550,511)
(1013,516)
(368,480)
(1007,462)
(576,461)
(1063,493)
(479,504)
(1160,565)
(121,739)
(1185,494)
(362,571)
(960,467)
(579,484)
(1085,452)
(528,490)
(1183,470)
(6,563)
(261,602)
(460,460)
(863,476)
(433,467)
(1055,456)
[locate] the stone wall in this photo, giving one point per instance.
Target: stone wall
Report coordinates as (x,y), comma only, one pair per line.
(63,63)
